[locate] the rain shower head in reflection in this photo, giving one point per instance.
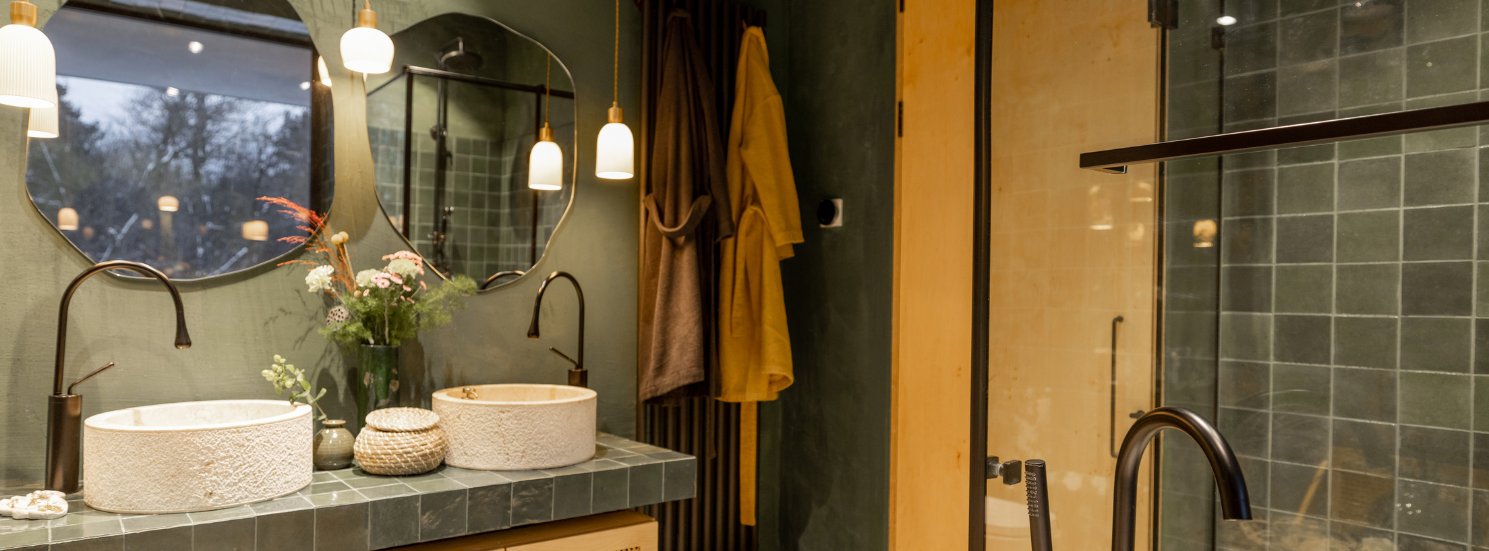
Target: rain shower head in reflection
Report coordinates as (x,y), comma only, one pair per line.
(454,57)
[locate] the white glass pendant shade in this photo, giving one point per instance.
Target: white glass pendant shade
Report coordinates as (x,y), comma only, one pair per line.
(28,64)
(320,66)
(43,122)
(168,203)
(545,166)
(256,230)
(365,49)
(67,219)
(615,152)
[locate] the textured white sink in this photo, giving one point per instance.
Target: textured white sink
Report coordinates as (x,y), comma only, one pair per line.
(517,427)
(195,456)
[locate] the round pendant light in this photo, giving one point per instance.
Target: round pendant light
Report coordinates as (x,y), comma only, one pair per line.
(28,70)
(168,203)
(320,67)
(365,49)
(43,121)
(256,230)
(615,152)
(545,165)
(67,219)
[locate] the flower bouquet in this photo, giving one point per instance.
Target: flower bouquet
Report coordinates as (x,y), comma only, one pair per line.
(375,310)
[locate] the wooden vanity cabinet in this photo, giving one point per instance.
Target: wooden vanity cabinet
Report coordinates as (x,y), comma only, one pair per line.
(617,531)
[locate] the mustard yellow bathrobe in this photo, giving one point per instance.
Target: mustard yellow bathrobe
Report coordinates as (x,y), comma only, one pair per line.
(754,346)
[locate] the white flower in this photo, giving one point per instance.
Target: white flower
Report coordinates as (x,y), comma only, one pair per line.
(364,277)
(319,279)
(403,267)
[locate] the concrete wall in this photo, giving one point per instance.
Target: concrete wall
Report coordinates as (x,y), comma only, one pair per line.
(824,481)
(238,323)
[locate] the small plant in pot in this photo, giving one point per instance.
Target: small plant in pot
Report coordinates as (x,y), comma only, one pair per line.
(373,311)
(333,444)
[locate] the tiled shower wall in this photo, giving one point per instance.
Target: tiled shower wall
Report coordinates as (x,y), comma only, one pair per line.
(1353,284)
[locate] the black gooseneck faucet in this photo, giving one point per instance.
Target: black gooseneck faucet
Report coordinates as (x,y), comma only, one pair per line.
(577,376)
(1235,503)
(65,411)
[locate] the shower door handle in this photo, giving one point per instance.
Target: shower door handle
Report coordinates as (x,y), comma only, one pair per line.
(1112,410)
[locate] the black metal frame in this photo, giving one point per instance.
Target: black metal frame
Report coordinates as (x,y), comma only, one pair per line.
(982,240)
(1401,122)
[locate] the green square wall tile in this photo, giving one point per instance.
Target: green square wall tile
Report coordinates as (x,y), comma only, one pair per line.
(1435,455)
(1364,447)
(1433,510)
(291,531)
(1300,388)
(394,522)
(342,528)
(441,514)
(1438,400)
(227,535)
(1366,394)
(1436,344)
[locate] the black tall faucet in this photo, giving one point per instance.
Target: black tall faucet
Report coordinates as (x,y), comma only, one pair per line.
(577,376)
(1235,504)
(65,411)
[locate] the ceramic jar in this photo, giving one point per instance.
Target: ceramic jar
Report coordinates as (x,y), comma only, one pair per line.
(333,446)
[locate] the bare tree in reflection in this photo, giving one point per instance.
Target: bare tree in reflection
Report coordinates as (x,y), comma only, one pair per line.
(214,154)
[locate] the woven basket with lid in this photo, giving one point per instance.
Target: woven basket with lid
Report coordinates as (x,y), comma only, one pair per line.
(400,441)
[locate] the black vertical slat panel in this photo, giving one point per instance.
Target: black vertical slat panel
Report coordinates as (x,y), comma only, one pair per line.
(701,427)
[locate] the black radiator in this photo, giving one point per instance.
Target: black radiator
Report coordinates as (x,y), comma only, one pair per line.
(698,426)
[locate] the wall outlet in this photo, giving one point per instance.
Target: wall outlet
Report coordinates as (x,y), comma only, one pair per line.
(830,213)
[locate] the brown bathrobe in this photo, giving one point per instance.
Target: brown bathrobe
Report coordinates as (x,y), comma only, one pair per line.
(685,190)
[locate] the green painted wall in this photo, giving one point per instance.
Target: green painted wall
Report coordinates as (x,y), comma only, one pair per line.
(240,321)
(825,444)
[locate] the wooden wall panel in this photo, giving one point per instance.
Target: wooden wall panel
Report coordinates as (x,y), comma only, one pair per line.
(933,278)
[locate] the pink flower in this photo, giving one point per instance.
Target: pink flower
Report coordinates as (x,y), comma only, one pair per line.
(395,278)
(406,289)
(423,287)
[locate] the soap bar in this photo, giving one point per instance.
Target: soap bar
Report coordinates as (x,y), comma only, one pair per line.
(38,505)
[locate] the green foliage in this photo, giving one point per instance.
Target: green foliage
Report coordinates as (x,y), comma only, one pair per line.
(285,376)
(389,316)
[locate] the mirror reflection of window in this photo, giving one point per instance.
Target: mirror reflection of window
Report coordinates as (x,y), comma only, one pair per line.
(171,125)
(476,103)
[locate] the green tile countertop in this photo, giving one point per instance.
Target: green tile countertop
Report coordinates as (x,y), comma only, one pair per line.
(350,510)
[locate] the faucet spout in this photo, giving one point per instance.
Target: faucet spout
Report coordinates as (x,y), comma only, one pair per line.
(577,376)
(1235,503)
(65,410)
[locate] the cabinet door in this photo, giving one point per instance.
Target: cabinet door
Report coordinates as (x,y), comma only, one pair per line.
(638,537)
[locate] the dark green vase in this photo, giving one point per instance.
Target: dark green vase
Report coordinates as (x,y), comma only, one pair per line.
(377,371)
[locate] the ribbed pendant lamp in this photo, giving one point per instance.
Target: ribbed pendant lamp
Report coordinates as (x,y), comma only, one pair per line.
(615,152)
(365,49)
(28,65)
(545,166)
(43,120)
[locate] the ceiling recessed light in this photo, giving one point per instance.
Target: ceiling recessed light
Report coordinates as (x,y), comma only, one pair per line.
(194,46)
(172,91)
(1226,20)
(305,85)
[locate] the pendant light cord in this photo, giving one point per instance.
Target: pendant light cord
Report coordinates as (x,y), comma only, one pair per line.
(615,81)
(547,89)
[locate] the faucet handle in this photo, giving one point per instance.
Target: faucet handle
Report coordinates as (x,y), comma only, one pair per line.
(1010,471)
(88,376)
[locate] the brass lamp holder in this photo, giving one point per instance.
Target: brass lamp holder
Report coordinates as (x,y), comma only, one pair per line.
(545,134)
(23,13)
(615,114)
(366,17)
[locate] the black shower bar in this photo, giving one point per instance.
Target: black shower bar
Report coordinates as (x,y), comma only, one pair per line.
(1433,118)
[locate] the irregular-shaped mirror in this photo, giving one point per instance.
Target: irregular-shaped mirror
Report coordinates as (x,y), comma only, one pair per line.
(452,127)
(173,119)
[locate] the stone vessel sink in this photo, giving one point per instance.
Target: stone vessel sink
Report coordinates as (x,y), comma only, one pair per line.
(195,456)
(517,427)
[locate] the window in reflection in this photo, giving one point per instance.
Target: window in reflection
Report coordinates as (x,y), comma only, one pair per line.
(168,134)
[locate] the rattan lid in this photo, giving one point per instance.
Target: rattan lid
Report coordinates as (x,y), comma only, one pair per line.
(402,419)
